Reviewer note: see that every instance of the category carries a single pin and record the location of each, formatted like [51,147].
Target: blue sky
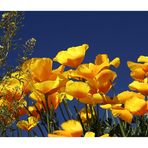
[122,34]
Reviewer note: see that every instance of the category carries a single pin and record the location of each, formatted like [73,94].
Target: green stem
[106,112]
[114,122]
[97,113]
[87,115]
[92,113]
[51,117]
[66,108]
[41,118]
[79,119]
[47,116]
[121,128]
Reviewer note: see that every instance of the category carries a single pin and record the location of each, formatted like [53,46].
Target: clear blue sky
[122,34]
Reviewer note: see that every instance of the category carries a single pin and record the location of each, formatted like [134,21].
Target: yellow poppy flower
[122,113]
[27,125]
[103,58]
[89,134]
[34,112]
[125,95]
[54,99]
[72,56]
[138,74]
[139,86]
[143,59]
[37,96]
[56,72]
[105,79]
[133,66]
[39,68]
[50,86]
[88,71]
[74,127]
[92,99]
[77,89]
[136,106]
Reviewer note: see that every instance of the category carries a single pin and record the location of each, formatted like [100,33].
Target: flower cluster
[37,91]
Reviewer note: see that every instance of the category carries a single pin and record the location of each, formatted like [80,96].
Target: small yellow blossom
[27,125]
[89,134]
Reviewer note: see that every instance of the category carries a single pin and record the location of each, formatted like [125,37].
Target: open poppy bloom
[122,113]
[139,71]
[50,86]
[38,68]
[103,81]
[139,86]
[126,95]
[102,59]
[72,56]
[136,106]
[71,128]
[77,89]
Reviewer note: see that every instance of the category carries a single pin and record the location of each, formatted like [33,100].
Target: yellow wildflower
[73,56]
[89,134]
[27,125]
